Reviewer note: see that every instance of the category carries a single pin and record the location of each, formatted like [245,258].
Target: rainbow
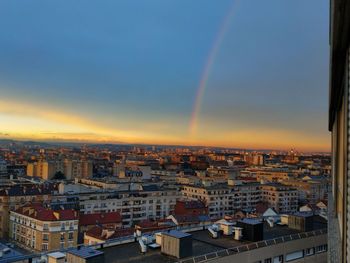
[208,66]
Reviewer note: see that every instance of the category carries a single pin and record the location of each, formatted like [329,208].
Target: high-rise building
[339,200]
[70,168]
[77,169]
[44,169]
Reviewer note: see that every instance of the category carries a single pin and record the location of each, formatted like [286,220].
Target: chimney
[57,215]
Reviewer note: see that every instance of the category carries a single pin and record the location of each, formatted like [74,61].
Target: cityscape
[57,199]
[186,131]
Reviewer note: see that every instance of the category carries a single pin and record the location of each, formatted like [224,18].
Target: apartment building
[310,191]
[273,176]
[11,198]
[223,199]
[123,170]
[282,198]
[152,202]
[36,228]
[339,217]
[254,159]
[190,207]
[223,172]
[77,169]
[70,168]
[44,169]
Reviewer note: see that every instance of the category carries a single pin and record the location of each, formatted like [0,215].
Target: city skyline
[164,74]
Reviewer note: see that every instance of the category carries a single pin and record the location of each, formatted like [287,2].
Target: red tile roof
[41,213]
[149,226]
[100,218]
[101,233]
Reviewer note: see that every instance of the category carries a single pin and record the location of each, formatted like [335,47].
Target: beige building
[70,168]
[16,196]
[223,199]
[273,176]
[150,202]
[37,229]
[45,169]
[310,191]
[282,198]
[77,169]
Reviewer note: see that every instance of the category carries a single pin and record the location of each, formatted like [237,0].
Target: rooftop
[176,234]
[85,252]
[100,218]
[9,255]
[56,255]
[203,244]
[41,213]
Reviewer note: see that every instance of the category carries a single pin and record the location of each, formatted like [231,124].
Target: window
[62,236]
[46,227]
[322,248]
[309,251]
[294,255]
[44,247]
[268,260]
[70,235]
[278,259]
[45,237]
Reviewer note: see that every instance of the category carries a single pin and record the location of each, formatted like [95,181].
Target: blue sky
[129,71]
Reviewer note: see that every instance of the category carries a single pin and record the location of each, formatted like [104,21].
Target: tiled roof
[18,190]
[100,218]
[147,225]
[38,212]
[183,219]
[101,233]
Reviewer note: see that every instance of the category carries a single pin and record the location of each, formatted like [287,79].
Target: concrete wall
[280,249]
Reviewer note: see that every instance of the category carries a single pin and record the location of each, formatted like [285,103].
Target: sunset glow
[166,75]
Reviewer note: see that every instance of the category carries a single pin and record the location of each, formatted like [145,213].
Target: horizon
[167,73]
[56,143]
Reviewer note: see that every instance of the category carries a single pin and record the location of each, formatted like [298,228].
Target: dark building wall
[339,242]
[252,232]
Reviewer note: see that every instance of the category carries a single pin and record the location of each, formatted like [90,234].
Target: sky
[245,74]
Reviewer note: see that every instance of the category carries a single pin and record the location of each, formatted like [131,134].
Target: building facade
[282,198]
[16,196]
[224,200]
[37,229]
[339,216]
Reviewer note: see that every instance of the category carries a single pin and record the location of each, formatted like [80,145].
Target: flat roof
[303,214]
[251,221]
[177,234]
[10,255]
[202,243]
[56,255]
[85,252]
